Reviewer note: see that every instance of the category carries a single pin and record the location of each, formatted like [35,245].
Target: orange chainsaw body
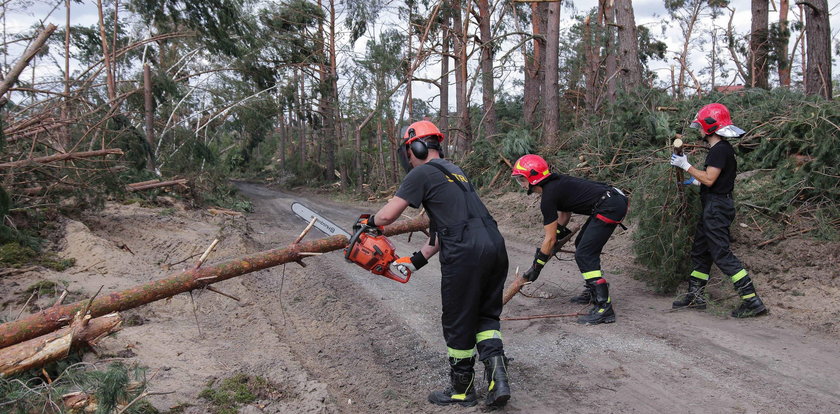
[373,251]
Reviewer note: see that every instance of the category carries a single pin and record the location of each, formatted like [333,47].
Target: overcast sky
[22,14]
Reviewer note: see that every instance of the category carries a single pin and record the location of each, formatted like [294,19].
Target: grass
[15,255]
[228,395]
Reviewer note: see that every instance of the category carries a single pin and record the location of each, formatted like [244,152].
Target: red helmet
[532,168]
[421,129]
[714,119]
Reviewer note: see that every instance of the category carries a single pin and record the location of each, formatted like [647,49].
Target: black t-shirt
[443,199]
[722,156]
[565,193]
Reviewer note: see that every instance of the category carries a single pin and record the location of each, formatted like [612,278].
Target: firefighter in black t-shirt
[711,239]
[473,263]
[562,195]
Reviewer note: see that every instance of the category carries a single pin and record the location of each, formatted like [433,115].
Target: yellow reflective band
[700,275]
[459,397]
[601,310]
[592,275]
[520,167]
[609,299]
[492,385]
[541,262]
[745,297]
[461,353]
[485,335]
[545,172]
[738,276]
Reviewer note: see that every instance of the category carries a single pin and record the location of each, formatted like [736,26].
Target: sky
[22,14]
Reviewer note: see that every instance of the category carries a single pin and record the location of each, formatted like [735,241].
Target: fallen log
[56,345]
[55,317]
[149,186]
[519,281]
[62,157]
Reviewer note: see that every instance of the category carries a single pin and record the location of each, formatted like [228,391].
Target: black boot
[751,305]
[498,389]
[694,298]
[602,311]
[462,389]
[586,296]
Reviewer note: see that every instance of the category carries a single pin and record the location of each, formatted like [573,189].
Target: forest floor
[332,338]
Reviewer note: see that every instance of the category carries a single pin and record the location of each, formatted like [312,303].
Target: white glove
[680,161]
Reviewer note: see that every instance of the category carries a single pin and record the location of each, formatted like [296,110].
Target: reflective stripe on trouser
[594,234]
[474,267]
[711,238]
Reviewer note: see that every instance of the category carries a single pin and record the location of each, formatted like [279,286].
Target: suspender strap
[450,176]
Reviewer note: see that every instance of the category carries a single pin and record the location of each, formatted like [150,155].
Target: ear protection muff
[420,149]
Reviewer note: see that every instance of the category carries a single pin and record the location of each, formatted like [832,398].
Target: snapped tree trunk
[519,282]
[56,345]
[50,319]
[818,37]
[628,46]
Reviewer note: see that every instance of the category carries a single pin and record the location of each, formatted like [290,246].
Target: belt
[607,195]
[727,195]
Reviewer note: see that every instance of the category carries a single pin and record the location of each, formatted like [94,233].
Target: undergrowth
[227,395]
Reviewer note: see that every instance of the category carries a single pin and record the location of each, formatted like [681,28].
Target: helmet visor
[402,156]
[730,131]
[695,125]
[522,181]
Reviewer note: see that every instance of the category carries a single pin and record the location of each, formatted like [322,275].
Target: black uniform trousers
[711,238]
[606,215]
[474,265]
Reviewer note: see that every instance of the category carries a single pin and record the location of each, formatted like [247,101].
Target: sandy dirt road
[377,344]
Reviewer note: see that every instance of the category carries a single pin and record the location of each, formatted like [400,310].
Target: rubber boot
[586,296]
[462,388]
[602,311]
[694,298]
[498,388]
[751,305]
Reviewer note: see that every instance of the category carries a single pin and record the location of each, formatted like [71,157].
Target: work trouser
[606,215]
[711,239]
[474,265]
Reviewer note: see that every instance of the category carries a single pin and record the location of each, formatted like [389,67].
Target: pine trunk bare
[628,46]
[488,90]
[818,38]
[551,123]
[759,44]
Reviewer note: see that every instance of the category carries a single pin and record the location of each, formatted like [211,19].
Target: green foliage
[113,388]
[14,254]
[235,391]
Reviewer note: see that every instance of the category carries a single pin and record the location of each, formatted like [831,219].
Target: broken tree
[55,317]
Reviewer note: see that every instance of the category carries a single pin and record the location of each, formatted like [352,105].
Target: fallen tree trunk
[56,345]
[62,157]
[519,281]
[52,318]
[12,76]
[149,186]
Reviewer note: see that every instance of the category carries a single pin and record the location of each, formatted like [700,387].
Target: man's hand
[412,263]
[562,233]
[539,261]
[691,181]
[366,220]
[680,161]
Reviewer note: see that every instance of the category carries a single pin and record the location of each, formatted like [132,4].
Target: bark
[759,45]
[62,157]
[591,67]
[150,120]
[519,281]
[782,47]
[464,128]
[694,14]
[488,91]
[11,78]
[443,124]
[148,186]
[54,346]
[628,46]
[818,37]
[65,108]
[608,21]
[48,320]
[109,74]
[551,93]
[534,65]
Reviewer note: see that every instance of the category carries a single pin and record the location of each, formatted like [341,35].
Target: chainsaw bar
[327,227]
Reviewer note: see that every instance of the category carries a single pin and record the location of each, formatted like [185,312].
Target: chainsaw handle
[401,270]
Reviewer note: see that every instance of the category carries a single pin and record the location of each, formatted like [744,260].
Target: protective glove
[562,232]
[691,181]
[366,220]
[412,263]
[680,161]
[539,261]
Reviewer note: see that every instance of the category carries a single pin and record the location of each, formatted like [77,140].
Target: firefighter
[711,238]
[561,195]
[473,263]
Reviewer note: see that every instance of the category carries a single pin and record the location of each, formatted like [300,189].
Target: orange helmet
[532,168]
[421,129]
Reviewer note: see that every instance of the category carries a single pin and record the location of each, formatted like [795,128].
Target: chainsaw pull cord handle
[353,240]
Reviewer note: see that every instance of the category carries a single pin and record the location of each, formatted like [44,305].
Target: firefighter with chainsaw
[473,263]
[561,195]
[711,238]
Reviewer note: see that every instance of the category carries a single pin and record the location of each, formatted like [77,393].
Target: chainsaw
[368,247]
